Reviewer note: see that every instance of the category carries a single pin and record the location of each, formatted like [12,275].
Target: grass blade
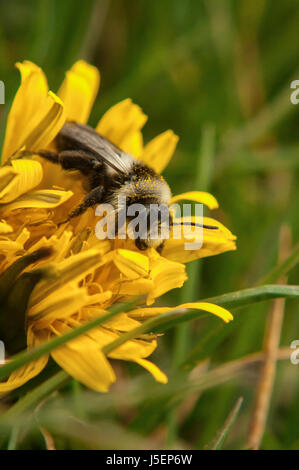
[253,295]
[230,300]
[35,396]
[28,356]
[156,324]
[222,434]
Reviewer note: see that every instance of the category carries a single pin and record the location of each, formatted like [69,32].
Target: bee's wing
[86,137]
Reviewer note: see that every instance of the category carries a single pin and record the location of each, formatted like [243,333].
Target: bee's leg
[78,160]
[92,198]
[72,159]
[51,156]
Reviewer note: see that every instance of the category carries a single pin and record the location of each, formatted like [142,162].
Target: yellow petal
[158,152]
[197,196]
[220,312]
[220,233]
[62,304]
[101,298]
[134,349]
[26,174]
[154,370]
[26,69]
[27,101]
[60,246]
[134,145]
[72,269]
[84,361]
[122,322]
[175,250]
[42,199]
[23,236]
[45,124]
[144,313]
[214,242]
[36,115]
[136,288]
[23,374]
[7,175]
[11,247]
[121,122]
[58,305]
[166,275]
[131,263]
[78,91]
[5,228]
[222,229]
[129,351]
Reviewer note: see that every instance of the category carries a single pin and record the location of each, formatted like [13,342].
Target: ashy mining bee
[111,173]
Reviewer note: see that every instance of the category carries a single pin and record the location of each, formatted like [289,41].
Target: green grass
[218,73]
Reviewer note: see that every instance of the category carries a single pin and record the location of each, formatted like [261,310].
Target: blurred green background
[218,73]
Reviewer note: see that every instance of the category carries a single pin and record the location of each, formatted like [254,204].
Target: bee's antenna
[194,224]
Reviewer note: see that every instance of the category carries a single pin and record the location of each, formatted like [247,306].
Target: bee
[111,173]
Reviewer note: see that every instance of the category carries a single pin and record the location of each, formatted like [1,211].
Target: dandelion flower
[90,275]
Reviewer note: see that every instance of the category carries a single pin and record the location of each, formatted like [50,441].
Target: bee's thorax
[142,185]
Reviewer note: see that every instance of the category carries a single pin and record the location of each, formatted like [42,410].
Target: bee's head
[144,196]
[151,227]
